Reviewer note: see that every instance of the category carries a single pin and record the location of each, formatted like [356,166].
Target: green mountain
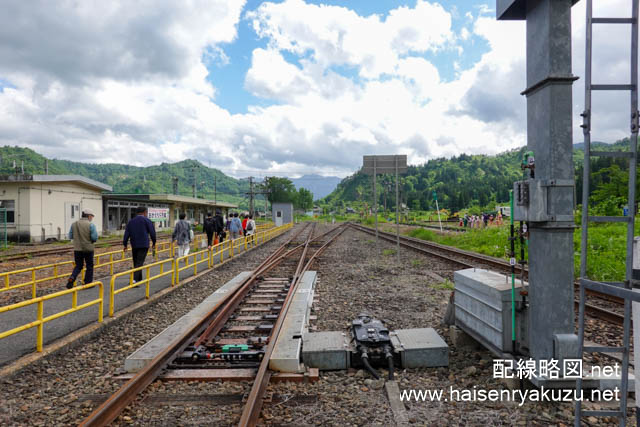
[474,180]
[134,179]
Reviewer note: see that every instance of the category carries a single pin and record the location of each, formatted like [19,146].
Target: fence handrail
[97,258]
[146,281]
[41,320]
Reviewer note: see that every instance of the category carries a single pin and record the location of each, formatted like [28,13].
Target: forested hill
[133,179]
[459,182]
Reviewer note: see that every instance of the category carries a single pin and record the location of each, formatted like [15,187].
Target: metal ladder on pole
[620,289]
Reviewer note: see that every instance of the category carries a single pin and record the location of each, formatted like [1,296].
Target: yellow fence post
[101,304]
[173,273]
[33,278]
[148,282]
[195,263]
[112,295]
[40,325]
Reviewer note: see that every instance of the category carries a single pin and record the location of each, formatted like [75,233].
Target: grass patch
[416,262]
[388,252]
[606,243]
[446,285]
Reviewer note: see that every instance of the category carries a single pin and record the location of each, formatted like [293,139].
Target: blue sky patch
[229,78]
[4,83]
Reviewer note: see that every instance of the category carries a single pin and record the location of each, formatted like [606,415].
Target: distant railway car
[504,210]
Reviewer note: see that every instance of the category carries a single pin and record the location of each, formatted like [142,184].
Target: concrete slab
[420,348]
[483,308]
[287,350]
[326,350]
[137,360]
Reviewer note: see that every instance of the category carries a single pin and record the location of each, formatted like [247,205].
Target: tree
[281,190]
[305,199]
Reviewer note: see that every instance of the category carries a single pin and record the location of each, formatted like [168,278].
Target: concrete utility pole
[215,189]
[194,181]
[549,136]
[175,185]
[252,193]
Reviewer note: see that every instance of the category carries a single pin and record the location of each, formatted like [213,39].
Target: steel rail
[253,407]
[112,407]
[216,326]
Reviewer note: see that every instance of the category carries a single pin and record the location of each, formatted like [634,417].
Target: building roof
[57,178]
[171,198]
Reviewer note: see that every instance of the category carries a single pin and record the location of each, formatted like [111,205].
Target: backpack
[249,225]
[209,225]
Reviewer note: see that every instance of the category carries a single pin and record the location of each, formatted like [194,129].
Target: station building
[41,207]
[163,209]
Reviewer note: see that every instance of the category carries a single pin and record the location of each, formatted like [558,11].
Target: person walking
[251,229]
[138,230]
[84,234]
[209,227]
[235,226]
[244,224]
[182,234]
[219,223]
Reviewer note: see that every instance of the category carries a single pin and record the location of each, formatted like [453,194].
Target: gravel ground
[404,297]
[352,278]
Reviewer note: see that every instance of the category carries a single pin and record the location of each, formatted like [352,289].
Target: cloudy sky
[280,87]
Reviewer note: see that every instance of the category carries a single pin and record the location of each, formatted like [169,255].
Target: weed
[388,252]
[446,285]
[416,262]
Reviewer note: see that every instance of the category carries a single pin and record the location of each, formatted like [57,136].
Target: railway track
[237,335]
[467,259]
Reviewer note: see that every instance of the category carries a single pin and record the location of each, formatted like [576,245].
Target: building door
[278,218]
[71,215]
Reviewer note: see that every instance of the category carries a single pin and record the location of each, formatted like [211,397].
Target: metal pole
[397,217]
[250,195]
[375,201]
[632,203]
[438,209]
[215,189]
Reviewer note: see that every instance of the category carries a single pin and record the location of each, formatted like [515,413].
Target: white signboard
[158,214]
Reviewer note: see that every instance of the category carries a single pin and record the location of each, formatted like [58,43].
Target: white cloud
[127,82]
[337,36]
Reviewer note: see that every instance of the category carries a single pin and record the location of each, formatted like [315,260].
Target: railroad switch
[372,345]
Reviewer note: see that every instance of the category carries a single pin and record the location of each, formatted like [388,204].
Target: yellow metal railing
[174,269]
[41,320]
[105,259]
[146,281]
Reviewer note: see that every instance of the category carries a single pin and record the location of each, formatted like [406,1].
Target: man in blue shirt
[139,229]
[84,235]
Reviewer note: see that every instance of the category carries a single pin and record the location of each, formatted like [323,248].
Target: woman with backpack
[251,228]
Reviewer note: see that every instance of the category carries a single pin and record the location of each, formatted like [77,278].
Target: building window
[10,206]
